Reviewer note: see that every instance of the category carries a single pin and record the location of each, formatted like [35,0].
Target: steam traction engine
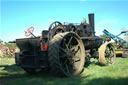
[63,49]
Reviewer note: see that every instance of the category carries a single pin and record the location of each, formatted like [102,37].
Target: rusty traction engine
[63,49]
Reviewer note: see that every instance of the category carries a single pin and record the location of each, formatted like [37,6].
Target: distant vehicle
[121,44]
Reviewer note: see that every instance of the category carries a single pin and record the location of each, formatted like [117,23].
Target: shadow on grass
[17,76]
[87,64]
[11,68]
[108,81]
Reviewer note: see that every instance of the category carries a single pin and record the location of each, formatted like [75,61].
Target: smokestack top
[91,14]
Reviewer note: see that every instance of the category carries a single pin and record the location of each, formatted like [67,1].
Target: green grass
[94,74]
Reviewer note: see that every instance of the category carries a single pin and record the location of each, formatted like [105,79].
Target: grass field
[94,74]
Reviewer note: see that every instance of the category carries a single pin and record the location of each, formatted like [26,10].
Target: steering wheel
[29,31]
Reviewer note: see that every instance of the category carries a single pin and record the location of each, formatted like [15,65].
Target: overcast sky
[18,15]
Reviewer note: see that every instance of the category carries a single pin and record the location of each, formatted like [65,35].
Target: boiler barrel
[92,42]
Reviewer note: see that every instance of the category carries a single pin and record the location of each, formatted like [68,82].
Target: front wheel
[107,54]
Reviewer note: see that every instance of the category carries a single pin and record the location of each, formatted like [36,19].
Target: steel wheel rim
[71,48]
[109,54]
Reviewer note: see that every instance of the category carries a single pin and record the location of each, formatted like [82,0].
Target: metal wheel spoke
[109,54]
[66,53]
[66,44]
[107,50]
[63,50]
[76,50]
[76,58]
[55,24]
[74,47]
[67,68]
[107,59]
[70,41]
[65,62]
[112,54]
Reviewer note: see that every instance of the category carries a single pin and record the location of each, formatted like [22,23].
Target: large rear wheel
[66,54]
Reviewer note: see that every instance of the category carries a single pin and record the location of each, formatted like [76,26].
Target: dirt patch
[6,51]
